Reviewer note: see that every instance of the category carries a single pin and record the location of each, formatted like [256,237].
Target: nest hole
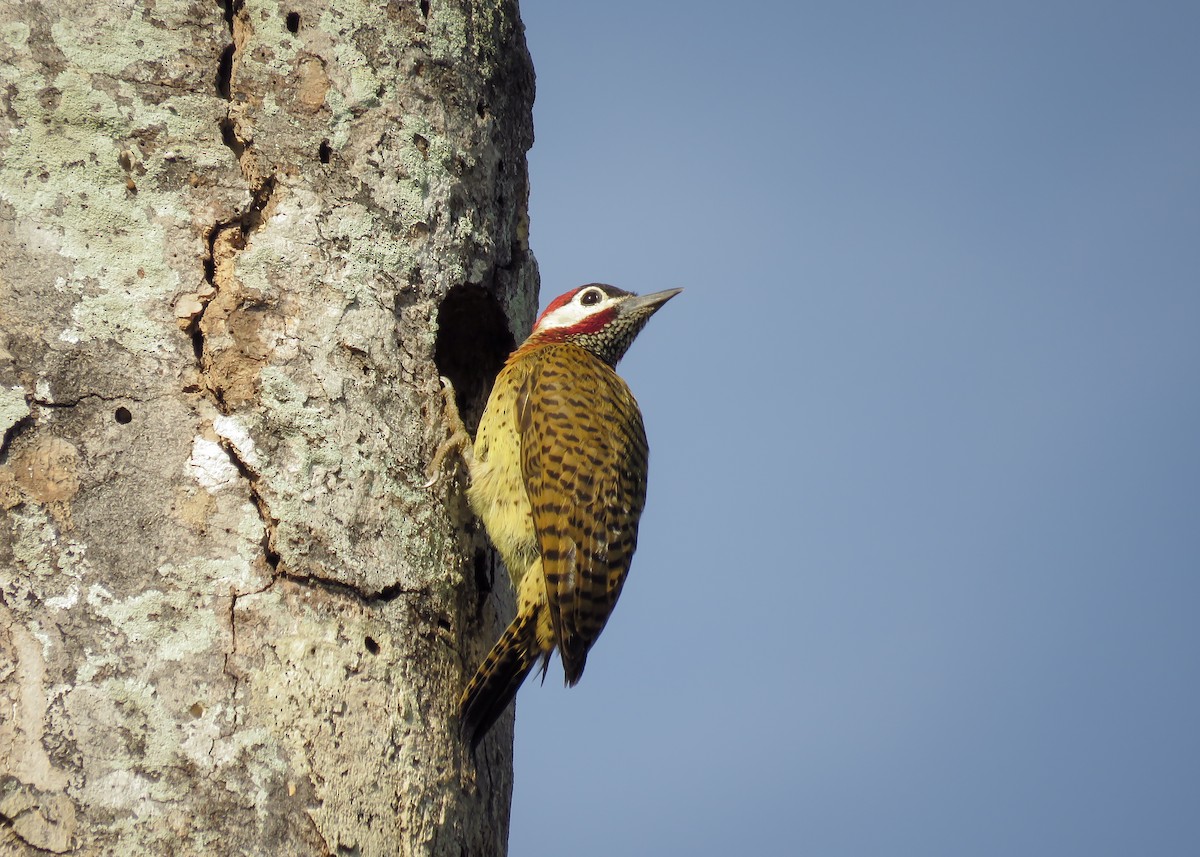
[472,343]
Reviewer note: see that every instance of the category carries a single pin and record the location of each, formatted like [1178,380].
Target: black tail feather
[498,678]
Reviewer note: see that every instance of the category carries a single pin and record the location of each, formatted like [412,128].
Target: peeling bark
[239,243]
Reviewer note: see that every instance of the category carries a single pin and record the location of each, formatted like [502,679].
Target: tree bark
[238,245]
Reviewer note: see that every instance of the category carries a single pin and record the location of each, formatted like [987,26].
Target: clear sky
[920,568]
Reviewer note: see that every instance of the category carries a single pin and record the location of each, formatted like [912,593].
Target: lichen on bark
[230,614]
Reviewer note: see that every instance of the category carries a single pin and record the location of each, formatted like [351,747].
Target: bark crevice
[269,521]
[236,617]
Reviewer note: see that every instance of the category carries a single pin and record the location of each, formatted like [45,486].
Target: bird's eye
[591,297]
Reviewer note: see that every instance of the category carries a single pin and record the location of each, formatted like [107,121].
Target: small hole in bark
[122,415]
[371,645]
[230,138]
[293,22]
[324,151]
[390,593]
[425,8]
[225,73]
[483,577]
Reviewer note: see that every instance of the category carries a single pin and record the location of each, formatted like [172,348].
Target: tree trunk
[238,245]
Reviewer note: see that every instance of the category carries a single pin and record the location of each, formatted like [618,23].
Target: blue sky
[920,568]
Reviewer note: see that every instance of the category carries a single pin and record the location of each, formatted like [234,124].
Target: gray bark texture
[238,245]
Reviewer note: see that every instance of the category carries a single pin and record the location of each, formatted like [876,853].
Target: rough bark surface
[238,245]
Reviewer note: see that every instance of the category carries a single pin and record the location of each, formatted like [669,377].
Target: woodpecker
[558,476]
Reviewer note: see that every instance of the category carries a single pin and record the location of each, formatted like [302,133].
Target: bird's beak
[639,304]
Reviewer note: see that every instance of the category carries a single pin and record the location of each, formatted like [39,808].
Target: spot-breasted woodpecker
[558,476]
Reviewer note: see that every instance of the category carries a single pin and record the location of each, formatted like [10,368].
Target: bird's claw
[459,438]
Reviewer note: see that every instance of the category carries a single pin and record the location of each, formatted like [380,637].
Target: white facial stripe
[570,314]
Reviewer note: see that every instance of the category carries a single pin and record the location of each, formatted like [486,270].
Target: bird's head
[601,319]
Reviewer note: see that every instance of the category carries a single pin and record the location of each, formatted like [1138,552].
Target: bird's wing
[583,456]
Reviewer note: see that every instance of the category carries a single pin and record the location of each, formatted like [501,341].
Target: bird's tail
[496,681]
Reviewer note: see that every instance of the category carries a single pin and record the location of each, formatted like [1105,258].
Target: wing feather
[583,456]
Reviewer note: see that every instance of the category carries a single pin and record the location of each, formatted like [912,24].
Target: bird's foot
[458,441]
